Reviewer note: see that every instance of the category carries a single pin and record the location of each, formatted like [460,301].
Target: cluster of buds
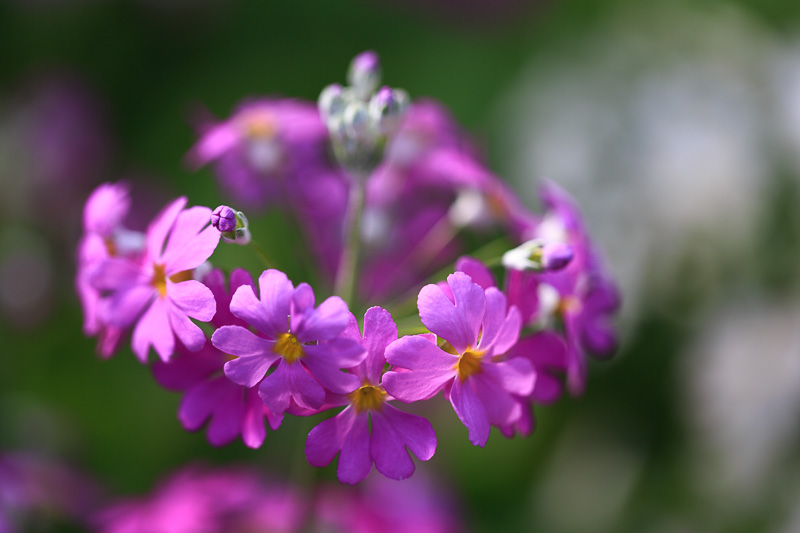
[507,324]
[360,117]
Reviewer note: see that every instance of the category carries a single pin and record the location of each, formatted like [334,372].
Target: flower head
[156,291]
[304,343]
[478,329]
[229,409]
[348,433]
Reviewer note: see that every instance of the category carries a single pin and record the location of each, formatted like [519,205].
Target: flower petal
[115,273]
[430,369]
[160,227]
[354,459]
[194,298]
[515,375]
[275,389]
[270,314]
[323,323]
[470,411]
[326,439]
[305,390]
[392,431]
[325,362]
[187,331]
[457,323]
[379,332]
[214,142]
[123,307]
[502,409]
[477,271]
[154,329]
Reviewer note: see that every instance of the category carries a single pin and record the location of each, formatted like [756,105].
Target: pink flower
[104,237]
[198,500]
[582,296]
[156,291]
[348,433]
[302,342]
[478,328]
[230,409]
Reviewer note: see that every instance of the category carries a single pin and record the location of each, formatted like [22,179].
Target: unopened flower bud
[224,219]
[331,101]
[231,224]
[556,255]
[357,122]
[387,108]
[364,74]
[538,256]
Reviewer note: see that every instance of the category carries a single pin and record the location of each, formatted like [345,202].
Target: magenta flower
[199,500]
[230,409]
[104,237]
[545,350]
[582,296]
[157,291]
[302,342]
[348,433]
[262,146]
[479,329]
[386,506]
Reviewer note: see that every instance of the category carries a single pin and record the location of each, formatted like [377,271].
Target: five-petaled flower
[478,329]
[303,343]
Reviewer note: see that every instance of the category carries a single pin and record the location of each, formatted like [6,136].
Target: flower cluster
[388,194]
[198,499]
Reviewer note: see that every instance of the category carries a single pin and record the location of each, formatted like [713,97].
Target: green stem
[262,255]
[348,263]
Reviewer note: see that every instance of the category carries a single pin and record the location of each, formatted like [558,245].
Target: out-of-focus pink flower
[383,505]
[200,500]
[156,290]
[38,490]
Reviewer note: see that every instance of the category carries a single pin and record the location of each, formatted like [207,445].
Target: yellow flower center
[111,246]
[368,397]
[288,347]
[469,364]
[568,304]
[160,278]
[259,125]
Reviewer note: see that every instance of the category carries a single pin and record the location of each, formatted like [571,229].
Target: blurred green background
[679,432]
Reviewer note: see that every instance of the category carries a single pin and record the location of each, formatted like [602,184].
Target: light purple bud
[556,255]
[384,99]
[331,101]
[224,219]
[365,62]
[364,74]
[387,107]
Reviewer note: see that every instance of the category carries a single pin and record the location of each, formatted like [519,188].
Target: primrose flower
[304,343]
[478,328]
[104,237]
[581,296]
[348,433]
[260,150]
[230,409]
[157,290]
[545,350]
[200,500]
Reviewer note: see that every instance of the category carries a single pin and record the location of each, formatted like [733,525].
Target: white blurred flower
[655,123]
[742,398]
